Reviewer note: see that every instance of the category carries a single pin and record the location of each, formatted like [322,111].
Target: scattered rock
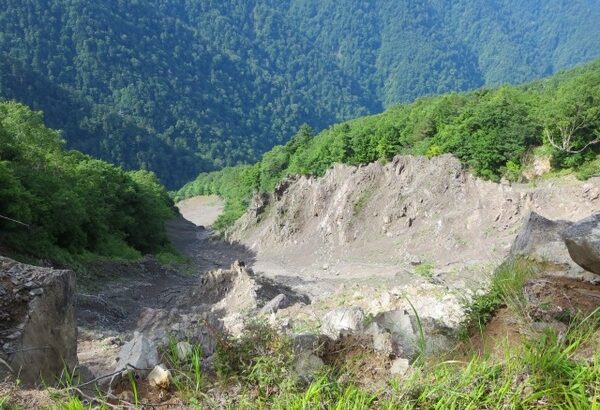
[36,292]
[306,342]
[341,321]
[307,366]
[275,304]
[395,333]
[382,340]
[160,377]
[399,367]
[582,239]
[258,204]
[184,350]
[140,353]
[126,396]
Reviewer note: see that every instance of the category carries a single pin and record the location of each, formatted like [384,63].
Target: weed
[72,404]
[425,270]
[361,202]
[421,342]
[197,367]
[505,290]
[368,319]
[134,387]
[68,378]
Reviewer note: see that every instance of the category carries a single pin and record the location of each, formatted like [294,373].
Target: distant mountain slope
[180,87]
[495,132]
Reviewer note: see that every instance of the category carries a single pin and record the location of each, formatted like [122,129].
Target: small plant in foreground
[506,289]
[425,270]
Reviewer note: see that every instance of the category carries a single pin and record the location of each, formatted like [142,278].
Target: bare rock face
[38,331]
[583,242]
[379,219]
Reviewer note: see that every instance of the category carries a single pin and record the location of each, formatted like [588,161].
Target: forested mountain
[494,132]
[180,87]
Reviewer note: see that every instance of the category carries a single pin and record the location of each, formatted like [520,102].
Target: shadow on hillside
[207,250]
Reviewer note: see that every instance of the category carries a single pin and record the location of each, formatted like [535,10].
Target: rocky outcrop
[541,238]
[38,332]
[583,242]
[572,248]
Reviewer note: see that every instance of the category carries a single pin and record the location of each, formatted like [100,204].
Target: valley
[325,267]
[299,204]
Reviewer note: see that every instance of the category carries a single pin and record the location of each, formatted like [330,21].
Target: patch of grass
[72,404]
[172,257]
[506,289]
[588,170]
[5,404]
[260,355]
[134,387]
[425,270]
[361,202]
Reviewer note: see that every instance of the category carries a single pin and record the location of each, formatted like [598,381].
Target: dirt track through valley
[109,316]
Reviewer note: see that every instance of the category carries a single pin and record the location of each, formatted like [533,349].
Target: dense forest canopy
[179,87]
[492,131]
[66,206]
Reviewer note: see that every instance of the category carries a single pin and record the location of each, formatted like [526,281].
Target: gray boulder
[342,321]
[383,342]
[582,239]
[278,302]
[540,238]
[307,365]
[399,367]
[306,342]
[38,331]
[403,338]
[139,354]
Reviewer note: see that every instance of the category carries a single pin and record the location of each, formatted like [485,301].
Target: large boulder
[540,238]
[582,239]
[38,331]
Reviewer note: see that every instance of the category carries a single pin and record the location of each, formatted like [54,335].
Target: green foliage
[361,202]
[506,289]
[513,171]
[183,87]
[489,130]
[589,169]
[425,270]
[74,206]
[572,118]
[261,357]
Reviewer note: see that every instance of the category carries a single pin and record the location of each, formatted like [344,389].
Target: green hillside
[66,206]
[180,87]
[490,130]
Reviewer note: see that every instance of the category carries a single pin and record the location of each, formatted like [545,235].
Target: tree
[572,117]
